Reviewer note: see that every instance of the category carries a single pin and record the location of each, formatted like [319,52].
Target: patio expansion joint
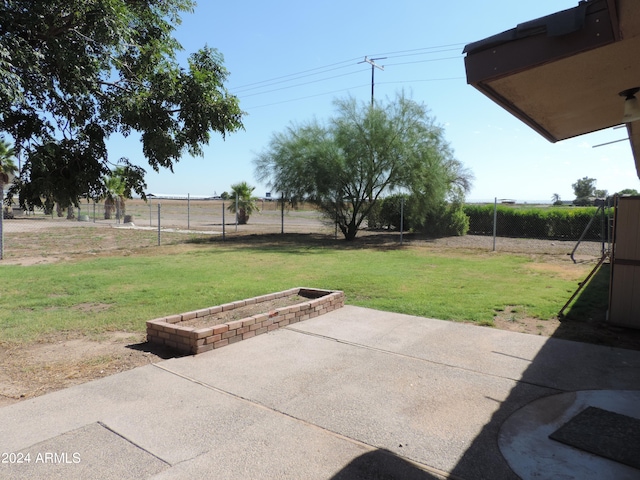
[434,362]
[107,427]
[254,403]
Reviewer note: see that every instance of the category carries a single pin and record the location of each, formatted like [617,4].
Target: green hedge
[553,222]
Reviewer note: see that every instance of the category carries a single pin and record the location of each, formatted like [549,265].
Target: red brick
[183,340]
[255,326]
[229,334]
[267,323]
[188,316]
[201,333]
[235,339]
[182,330]
[313,314]
[248,322]
[235,324]
[203,348]
[303,317]
[248,335]
[283,323]
[164,335]
[173,319]
[251,301]
[203,313]
[221,343]
[213,339]
[261,317]
[262,330]
[156,323]
[227,306]
[270,328]
[239,304]
[169,328]
[214,310]
[220,328]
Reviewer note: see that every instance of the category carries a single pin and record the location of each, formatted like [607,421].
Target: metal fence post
[223,227]
[188,211]
[158,224]
[401,218]
[495,221]
[282,215]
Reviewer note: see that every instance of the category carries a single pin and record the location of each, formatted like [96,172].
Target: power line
[342,64]
[297,77]
[285,80]
[422,61]
[301,84]
[353,88]
[350,62]
[420,49]
[309,96]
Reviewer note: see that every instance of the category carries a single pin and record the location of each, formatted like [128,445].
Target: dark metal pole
[371,62]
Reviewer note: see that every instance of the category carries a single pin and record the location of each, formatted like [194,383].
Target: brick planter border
[167,331]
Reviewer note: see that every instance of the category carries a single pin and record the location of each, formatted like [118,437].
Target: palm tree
[114,198]
[7,167]
[555,198]
[241,194]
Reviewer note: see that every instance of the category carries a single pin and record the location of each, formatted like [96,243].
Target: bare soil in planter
[244,312]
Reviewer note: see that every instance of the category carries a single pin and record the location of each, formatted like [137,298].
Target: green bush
[389,212]
[447,220]
[553,222]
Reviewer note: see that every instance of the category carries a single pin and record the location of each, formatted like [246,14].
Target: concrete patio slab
[355,393]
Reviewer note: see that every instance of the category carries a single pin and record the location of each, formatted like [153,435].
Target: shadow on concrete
[159,350]
[560,369]
[382,464]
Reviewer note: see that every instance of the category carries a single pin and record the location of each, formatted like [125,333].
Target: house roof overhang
[562,74]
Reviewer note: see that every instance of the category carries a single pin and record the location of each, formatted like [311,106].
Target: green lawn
[121,293]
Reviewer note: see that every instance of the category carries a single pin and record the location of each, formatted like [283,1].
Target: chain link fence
[96,227]
[99,228]
[588,229]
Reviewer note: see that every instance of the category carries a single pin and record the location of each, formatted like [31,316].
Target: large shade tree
[75,72]
[584,189]
[361,154]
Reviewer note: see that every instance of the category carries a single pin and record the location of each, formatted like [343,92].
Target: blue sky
[288,60]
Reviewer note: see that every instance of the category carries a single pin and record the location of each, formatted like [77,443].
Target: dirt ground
[66,359]
[30,370]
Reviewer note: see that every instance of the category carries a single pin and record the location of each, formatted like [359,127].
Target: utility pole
[374,65]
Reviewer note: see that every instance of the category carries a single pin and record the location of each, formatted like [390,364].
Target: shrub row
[441,219]
[553,223]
